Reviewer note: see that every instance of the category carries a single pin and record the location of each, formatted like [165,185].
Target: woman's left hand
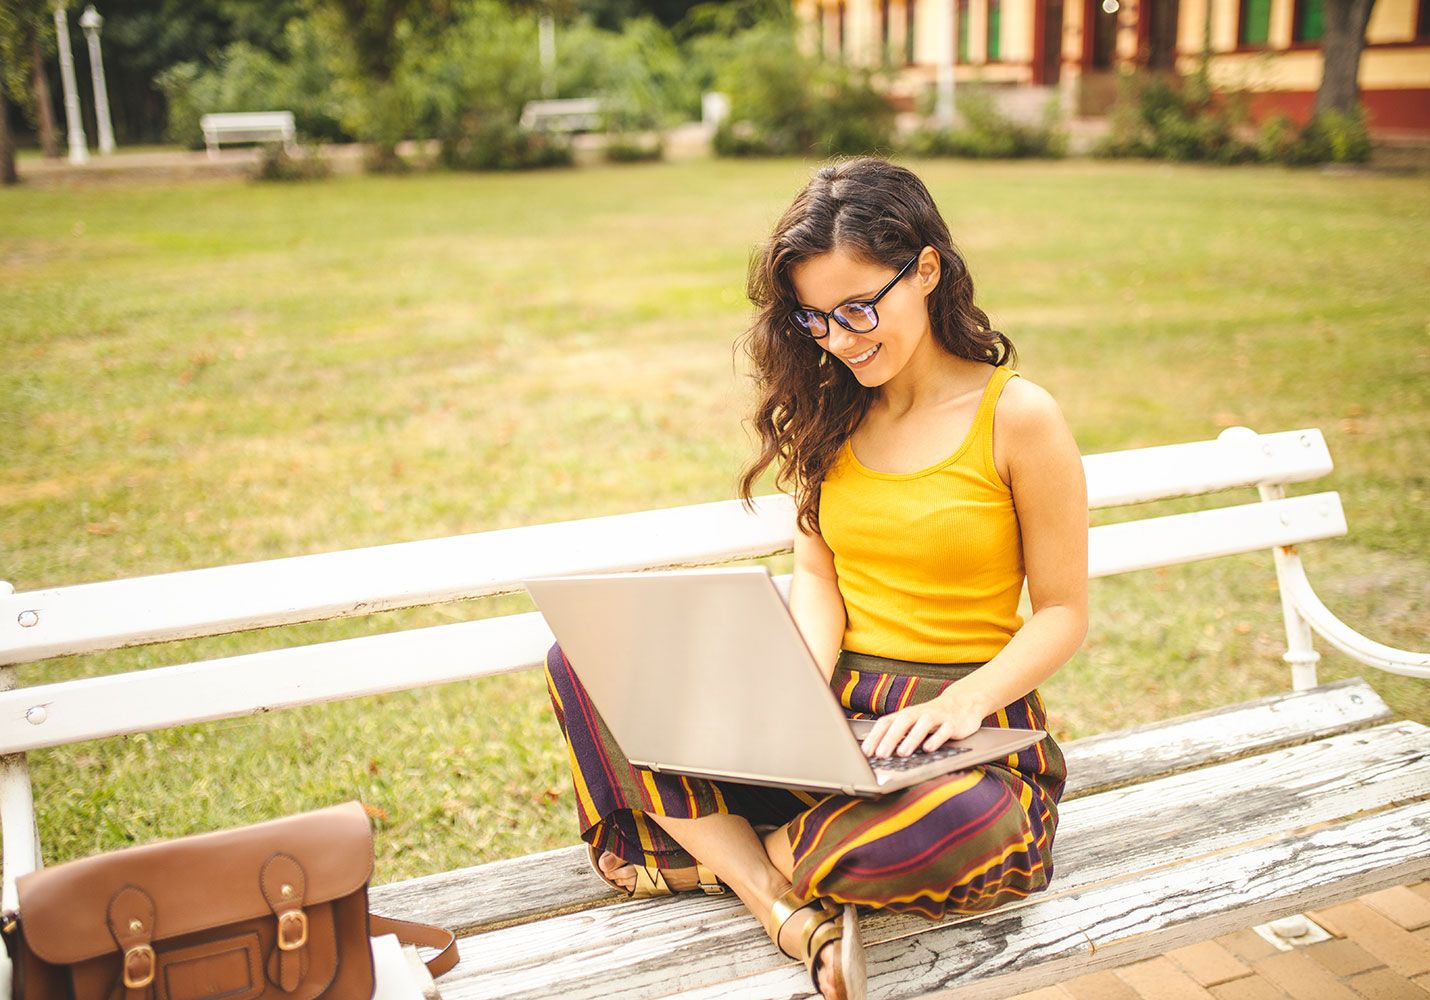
[947,717]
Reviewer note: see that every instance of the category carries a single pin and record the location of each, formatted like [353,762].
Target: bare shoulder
[1028,422]
[1027,409]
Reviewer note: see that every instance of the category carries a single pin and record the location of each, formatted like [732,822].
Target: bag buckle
[135,982]
[292,930]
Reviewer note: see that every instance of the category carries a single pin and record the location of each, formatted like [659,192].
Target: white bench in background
[574,114]
[248,126]
[1169,833]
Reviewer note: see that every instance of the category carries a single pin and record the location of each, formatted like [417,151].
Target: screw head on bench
[35,716]
[29,618]
[1285,517]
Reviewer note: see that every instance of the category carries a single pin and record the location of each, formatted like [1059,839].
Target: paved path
[1379,950]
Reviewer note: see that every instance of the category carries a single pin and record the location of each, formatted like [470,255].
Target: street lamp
[74,127]
[90,21]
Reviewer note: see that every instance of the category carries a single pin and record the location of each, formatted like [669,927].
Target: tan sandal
[651,882]
[835,923]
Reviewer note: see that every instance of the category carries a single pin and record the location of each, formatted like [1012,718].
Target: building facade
[1271,48]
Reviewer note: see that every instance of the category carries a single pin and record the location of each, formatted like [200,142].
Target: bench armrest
[1340,635]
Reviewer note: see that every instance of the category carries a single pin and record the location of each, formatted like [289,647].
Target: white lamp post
[546,43]
[74,127]
[90,21]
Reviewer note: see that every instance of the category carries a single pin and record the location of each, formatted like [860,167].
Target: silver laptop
[703,672]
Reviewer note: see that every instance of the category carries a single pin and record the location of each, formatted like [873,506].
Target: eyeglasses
[856,317]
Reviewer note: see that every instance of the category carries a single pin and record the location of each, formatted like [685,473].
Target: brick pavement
[1380,950]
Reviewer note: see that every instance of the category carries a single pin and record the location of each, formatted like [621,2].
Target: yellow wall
[1391,21]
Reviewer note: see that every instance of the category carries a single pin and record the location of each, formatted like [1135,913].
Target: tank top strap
[983,423]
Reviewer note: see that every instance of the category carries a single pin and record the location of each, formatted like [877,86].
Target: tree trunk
[1342,41]
[44,106]
[8,174]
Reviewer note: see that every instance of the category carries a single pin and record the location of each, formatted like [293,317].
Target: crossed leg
[757,868]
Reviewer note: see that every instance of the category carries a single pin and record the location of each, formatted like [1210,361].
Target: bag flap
[196,882]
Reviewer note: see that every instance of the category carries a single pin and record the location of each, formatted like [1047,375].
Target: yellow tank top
[930,563]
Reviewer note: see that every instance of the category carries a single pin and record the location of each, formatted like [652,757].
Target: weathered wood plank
[1137,753]
[1015,949]
[634,948]
[560,881]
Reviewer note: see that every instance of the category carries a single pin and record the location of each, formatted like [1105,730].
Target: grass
[220,372]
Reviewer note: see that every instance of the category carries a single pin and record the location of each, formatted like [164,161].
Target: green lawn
[222,372]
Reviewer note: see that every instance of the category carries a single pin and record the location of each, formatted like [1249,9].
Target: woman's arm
[1044,470]
[814,600]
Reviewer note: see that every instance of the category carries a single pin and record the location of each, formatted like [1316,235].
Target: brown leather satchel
[273,910]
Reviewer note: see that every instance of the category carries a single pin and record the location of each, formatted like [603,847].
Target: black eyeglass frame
[872,303]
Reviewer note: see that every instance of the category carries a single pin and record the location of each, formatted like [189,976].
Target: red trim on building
[1402,110]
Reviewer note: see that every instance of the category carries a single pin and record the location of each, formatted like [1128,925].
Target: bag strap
[411,932]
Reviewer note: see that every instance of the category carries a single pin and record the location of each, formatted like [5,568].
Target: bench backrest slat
[222,599]
[1238,457]
[1205,534]
[218,600]
[224,120]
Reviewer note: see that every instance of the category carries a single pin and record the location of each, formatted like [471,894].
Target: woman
[929,480]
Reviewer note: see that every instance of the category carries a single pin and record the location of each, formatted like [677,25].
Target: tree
[15,18]
[369,33]
[1341,46]
[44,104]
[8,173]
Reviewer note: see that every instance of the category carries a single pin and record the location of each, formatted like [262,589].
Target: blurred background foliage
[460,72]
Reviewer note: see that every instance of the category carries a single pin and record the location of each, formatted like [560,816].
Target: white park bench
[248,126]
[1169,833]
[574,114]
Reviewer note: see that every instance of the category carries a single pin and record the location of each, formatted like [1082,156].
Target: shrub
[1330,137]
[784,102]
[486,144]
[986,133]
[1175,118]
[633,147]
[276,164]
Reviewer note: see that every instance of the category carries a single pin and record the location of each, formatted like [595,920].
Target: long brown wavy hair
[808,403]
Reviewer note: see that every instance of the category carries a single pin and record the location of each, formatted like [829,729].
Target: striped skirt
[963,842]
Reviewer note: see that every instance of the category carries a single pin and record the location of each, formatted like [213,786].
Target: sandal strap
[829,916]
[786,906]
[650,882]
[709,881]
[823,933]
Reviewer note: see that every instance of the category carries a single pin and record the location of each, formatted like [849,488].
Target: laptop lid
[704,672]
[694,670]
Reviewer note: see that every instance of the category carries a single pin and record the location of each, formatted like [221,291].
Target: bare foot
[624,874]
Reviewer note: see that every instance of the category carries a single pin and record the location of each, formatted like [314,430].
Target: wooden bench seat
[1283,836]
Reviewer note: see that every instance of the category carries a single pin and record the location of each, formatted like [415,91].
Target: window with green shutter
[995,19]
[1306,26]
[963,31]
[1255,22]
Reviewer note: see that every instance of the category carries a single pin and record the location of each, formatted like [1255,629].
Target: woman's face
[836,277]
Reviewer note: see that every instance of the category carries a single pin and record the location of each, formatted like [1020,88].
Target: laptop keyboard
[916,759]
